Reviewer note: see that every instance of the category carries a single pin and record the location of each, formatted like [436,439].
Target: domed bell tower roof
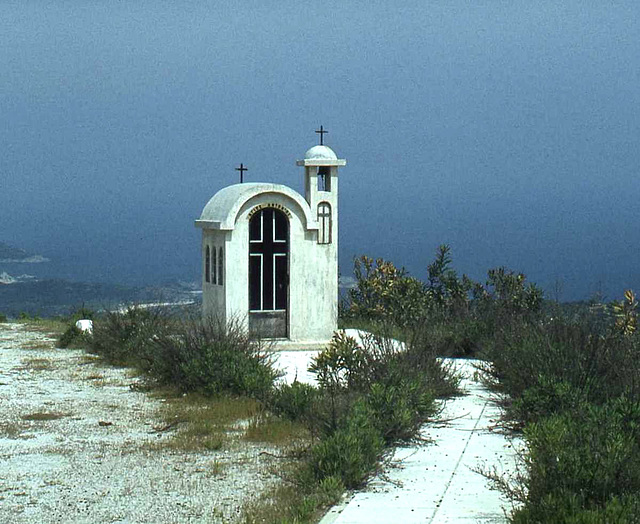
[321,156]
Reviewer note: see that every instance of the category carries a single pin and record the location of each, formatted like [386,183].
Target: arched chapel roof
[223,208]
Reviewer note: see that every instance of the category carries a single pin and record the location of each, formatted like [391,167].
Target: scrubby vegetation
[570,378]
[73,337]
[371,394]
[456,315]
[203,356]
[575,392]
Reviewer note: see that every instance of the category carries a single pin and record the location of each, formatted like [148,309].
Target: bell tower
[321,189]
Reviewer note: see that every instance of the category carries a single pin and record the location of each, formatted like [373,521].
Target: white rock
[85,325]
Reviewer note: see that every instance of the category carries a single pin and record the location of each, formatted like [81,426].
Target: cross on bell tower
[321,132]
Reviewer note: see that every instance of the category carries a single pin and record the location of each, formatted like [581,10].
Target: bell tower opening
[324,178]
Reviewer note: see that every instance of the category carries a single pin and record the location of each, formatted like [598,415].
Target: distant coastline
[6,278]
[33,259]
[51,297]
[14,255]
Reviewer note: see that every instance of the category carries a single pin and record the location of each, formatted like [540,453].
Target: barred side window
[220,267]
[324,218]
[213,266]
[207,265]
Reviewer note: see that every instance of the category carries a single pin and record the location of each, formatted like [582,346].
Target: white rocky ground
[75,470]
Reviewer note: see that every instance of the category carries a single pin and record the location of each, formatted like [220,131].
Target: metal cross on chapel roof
[321,132]
[242,169]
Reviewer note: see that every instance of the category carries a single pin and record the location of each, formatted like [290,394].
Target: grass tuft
[37,364]
[198,423]
[268,428]
[296,500]
[12,430]
[38,345]
[43,416]
[49,326]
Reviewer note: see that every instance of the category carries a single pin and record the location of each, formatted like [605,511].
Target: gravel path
[92,461]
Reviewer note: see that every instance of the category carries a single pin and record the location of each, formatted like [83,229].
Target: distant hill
[10,254]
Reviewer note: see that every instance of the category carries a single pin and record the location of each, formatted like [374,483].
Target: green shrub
[507,294]
[467,312]
[421,359]
[349,365]
[574,383]
[398,410]
[600,367]
[207,356]
[625,314]
[547,397]
[128,337]
[351,453]
[385,293]
[294,401]
[583,459]
[213,357]
[343,364]
[399,382]
[74,337]
[461,337]
[3,318]
[567,508]
[330,490]
[449,295]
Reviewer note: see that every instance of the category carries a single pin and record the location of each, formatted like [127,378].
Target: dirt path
[77,445]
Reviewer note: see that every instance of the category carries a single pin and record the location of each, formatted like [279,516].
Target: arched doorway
[269,274]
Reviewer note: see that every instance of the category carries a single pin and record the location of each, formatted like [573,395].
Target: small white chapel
[270,255]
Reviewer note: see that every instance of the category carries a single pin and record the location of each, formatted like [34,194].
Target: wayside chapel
[270,255]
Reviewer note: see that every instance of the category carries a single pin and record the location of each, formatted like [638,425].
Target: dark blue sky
[508,130]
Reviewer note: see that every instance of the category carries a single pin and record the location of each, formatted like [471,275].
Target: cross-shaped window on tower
[324,218]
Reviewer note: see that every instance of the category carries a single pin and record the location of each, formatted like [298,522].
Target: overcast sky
[509,130]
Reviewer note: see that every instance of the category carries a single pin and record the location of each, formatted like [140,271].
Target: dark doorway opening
[269,274]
